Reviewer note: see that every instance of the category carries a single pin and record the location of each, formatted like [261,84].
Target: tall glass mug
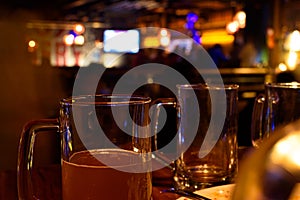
[278,106]
[208,122]
[105,148]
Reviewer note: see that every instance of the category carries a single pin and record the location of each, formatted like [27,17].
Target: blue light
[72,32]
[191,19]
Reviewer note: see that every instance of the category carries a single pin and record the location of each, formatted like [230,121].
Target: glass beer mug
[276,107]
[105,148]
[204,150]
[207,141]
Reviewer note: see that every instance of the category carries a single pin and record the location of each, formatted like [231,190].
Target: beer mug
[206,142]
[105,148]
[277,106]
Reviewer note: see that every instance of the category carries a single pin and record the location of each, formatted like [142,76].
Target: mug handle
[257,134]
[25,154]
[160,103]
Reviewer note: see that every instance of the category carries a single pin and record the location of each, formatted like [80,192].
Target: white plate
[224,192]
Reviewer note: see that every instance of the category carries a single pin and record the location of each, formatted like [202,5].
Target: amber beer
[86,176]
[105,148]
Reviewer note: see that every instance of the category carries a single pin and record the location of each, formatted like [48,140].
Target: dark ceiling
[94,10]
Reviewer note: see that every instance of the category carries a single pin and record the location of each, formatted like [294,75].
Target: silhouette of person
[217,54]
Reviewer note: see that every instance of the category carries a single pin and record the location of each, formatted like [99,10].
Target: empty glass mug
[207,135]
[277,106]
[105,148]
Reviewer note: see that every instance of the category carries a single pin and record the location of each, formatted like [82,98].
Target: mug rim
[291,85]
[232,86]
[106,99]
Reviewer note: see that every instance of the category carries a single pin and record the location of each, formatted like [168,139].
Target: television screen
[121,41]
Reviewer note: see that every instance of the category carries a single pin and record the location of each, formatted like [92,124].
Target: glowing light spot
[282,67]
[31,43]
[79,40]
[232,27]
[150,80]
[69,39]
[135,149]
[221,192]
[295,158]
[292,60]
[192,17]
[283,147]
[163,32]
[286,151]
[240,17]
[295,41]
[165,41]
[79,29]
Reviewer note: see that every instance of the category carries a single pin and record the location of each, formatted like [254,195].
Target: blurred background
[45,43]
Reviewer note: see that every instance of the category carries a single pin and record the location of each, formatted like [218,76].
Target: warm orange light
[98,44]
[240,17]
[79,29]
[232,27]
[79,40]
[69,39]
[292,42]
[282,67]
[151,42]
[291,60]
[270,38]
[295,41]
[32,43]
[217,36]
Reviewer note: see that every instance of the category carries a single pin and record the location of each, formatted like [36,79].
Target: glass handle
[25,154]
[159,105]
[257,121]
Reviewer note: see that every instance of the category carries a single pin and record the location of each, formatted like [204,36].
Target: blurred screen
[121,41]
